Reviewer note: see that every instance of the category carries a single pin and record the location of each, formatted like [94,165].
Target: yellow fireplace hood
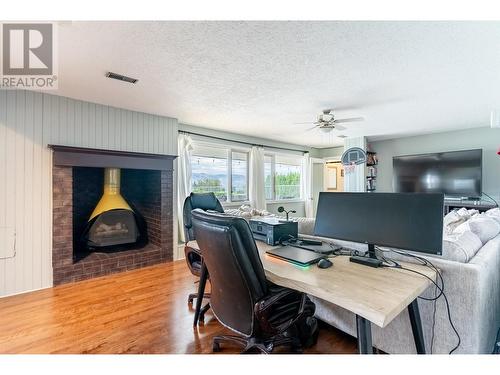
[111,198]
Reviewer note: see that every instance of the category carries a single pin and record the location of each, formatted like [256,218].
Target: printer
[271,229]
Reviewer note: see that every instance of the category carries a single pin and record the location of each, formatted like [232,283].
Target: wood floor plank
[139,311]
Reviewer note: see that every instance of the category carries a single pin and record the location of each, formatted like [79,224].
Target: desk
[374,295]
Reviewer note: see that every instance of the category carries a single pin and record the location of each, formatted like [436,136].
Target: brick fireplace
[146,184]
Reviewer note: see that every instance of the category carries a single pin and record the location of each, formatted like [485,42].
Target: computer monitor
[410,221]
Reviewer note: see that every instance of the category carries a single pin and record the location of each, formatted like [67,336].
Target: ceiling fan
[327,122]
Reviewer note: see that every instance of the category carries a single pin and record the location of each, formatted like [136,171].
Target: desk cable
[390,263]
[491,198]
[430,265]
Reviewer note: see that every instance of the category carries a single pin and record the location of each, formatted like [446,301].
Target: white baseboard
[179,252]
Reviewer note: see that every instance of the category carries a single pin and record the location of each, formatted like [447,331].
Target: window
[282,177]
[239,176]
[209,172]
[220,170]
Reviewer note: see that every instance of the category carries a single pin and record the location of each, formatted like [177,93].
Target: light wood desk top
[376,294]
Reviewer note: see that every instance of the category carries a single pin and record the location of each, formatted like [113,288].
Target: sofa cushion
[461,247]
[456,217]
[494,213]
[482,225]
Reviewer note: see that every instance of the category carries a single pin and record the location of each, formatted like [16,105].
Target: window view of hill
[210,174]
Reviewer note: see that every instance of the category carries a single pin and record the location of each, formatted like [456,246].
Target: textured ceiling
[258,78]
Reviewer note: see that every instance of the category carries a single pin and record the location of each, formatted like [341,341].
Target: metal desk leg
[364,335]
[416,326]
[201,292]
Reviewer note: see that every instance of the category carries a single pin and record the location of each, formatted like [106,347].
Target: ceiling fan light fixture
[326,129]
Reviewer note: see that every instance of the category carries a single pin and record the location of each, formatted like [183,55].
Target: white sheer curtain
[256,190]
[185,146]
[306,185]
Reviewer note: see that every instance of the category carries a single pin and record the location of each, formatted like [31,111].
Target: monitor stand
[370,260]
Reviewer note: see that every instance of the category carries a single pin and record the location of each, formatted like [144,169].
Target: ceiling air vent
[120,77]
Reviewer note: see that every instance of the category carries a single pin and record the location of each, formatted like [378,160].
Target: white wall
[318,183]
[330,153]
[30,121]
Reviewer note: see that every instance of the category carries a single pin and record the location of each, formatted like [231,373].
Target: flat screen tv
[456,174]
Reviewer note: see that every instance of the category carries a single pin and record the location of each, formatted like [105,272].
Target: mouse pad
[296,255]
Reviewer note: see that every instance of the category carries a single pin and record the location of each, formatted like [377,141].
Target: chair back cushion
[236,273]
[205,201]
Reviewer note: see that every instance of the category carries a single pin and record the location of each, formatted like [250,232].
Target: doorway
[326,176]
[334,176]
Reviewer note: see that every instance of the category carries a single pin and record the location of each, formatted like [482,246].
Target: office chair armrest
[281,310]
[194,259]
[188,249]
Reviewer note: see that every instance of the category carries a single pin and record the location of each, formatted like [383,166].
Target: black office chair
[204,201]
[265,315]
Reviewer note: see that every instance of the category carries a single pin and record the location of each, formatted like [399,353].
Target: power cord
[489,196]
[429,264]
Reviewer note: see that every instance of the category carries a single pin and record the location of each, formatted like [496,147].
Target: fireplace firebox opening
[113,222]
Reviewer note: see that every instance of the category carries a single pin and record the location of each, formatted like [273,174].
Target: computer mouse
[325,263]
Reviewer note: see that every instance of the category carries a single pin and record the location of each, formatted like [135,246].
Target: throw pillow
[452,220]
[463,212]
[256,212]
[461,247]
[483,226]
[246,208]
[238,213]
[473,213]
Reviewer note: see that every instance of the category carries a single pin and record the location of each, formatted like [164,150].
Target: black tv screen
[456,174]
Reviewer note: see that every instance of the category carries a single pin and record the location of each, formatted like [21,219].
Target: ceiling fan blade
[352,119]
[314,127]
[303,123]
[340,127]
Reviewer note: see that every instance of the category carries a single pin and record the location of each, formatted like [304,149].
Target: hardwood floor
[140,311]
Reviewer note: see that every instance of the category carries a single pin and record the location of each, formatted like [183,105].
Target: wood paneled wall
[29,121]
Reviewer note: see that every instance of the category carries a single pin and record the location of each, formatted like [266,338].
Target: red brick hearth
[76,191]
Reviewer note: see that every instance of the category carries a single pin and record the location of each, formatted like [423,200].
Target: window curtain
[256,190]
[185,147]
[306,185]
